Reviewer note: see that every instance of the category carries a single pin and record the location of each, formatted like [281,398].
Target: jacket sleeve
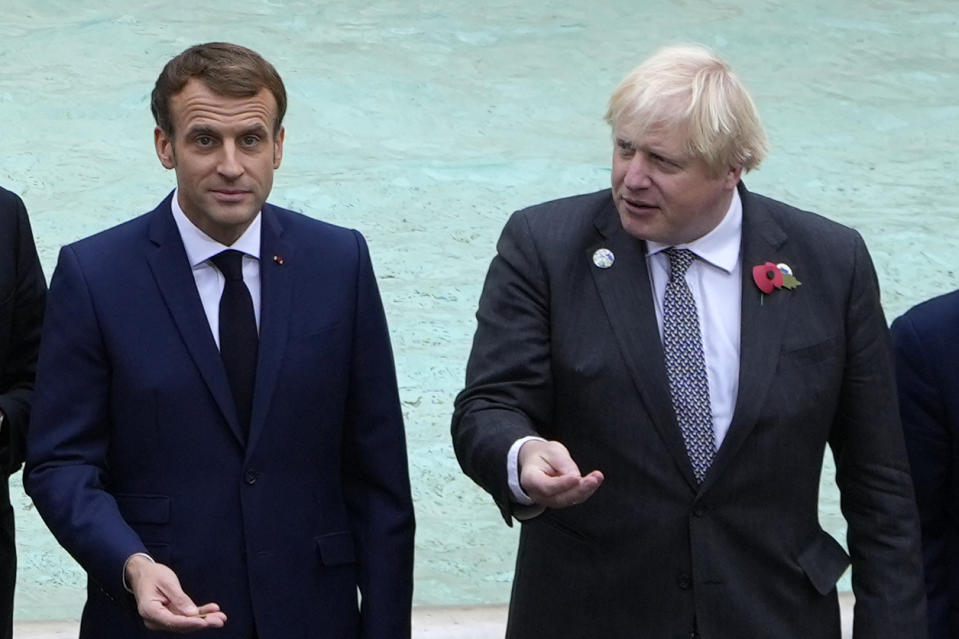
[67,472]
[508,392]
[872,472]
[375,470]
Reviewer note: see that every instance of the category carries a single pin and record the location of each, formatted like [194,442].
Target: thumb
[179,602]
[559,459]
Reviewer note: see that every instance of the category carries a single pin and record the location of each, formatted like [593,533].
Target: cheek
[617,174]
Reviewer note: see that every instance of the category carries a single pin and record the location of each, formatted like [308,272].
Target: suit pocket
[797,357]
[149,516]
[336,549]
[302,333]
[550,521]
[144,509]
[823,561]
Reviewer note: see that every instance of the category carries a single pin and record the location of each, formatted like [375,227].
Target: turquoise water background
[424,124]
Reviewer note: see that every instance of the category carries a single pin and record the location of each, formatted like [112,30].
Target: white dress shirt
[715,280]
[200,247]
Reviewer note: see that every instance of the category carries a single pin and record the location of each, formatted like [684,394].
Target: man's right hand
[548,474]
[162,603]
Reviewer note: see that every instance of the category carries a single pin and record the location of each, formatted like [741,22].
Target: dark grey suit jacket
[572,352]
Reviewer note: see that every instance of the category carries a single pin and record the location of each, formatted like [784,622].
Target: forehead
[197,105]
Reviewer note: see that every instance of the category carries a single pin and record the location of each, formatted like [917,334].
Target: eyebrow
[257,129]
[195,131]
[202,129]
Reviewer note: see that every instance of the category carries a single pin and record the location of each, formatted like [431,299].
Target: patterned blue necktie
[686,365]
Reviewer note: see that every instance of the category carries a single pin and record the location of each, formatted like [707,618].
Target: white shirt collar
[200,247]
[719,247]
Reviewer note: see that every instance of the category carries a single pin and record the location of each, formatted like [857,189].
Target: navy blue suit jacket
[926,341]
[135,444]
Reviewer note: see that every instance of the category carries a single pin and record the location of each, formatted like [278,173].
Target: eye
[624,148]
[250,140]
[665,163]
[203,140]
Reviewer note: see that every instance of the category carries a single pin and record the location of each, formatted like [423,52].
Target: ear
[278,148]
[733,176]
[164,148]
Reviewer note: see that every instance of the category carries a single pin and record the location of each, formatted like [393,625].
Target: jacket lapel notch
[278,268]
[174,278]
[764,318]
[627,298]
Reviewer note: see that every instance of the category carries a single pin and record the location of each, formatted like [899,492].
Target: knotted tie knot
[230,263]
[679,261]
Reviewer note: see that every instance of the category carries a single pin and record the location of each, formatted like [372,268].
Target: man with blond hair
[693,347]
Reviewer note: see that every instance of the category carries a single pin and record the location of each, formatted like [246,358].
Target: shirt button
[251,476]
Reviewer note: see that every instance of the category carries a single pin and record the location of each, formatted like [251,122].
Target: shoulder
[575,209]
[795,221]
[9,200]
[311,235]
[124,236]
[299,223]
[12,210]
[941,313]
[825,252]
[563,222]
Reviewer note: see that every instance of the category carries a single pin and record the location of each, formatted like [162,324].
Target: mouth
[229,195]
[638,206]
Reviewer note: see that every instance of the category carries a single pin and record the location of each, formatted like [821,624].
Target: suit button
[700,511]
[251,476]
[684,582]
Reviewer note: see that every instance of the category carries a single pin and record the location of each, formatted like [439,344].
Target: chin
[636,228]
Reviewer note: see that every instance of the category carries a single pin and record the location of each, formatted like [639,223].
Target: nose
[229,165]
[637,175]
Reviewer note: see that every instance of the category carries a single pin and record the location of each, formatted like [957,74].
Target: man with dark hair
[225,69]
[22,294]
[218,429]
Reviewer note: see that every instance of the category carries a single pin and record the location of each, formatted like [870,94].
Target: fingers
[551,478]
[163,605]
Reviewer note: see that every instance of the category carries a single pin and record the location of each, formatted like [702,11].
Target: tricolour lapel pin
[603,258]
[278,259]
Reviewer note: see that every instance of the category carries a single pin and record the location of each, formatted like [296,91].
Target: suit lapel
[174,278]
[278,267]
[625,291]
[763,320]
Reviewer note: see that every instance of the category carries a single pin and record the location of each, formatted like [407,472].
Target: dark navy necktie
[686,364]
[239,341]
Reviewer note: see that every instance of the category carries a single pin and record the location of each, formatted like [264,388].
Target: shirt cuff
[512,471]
[136,554]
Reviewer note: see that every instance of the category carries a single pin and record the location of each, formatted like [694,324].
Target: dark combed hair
[226,69]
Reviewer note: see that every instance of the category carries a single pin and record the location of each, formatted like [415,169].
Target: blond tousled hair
[690,87]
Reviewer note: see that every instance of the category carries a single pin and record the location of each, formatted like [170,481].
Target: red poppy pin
[768,277]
